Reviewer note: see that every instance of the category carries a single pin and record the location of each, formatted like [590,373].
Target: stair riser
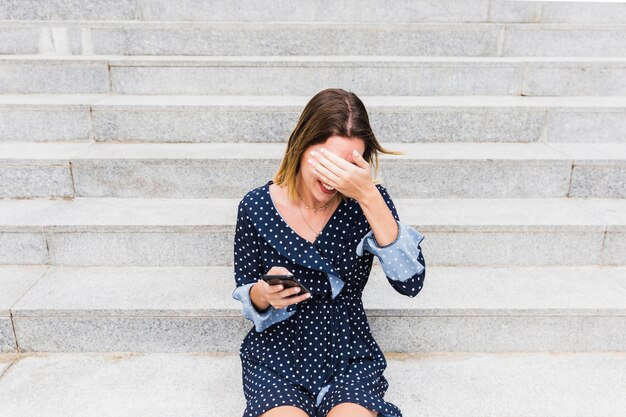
[307,78]
[394,334]
[363,11]
[212,246]
[7,337]
[231,178]
[321,39]
[261,124]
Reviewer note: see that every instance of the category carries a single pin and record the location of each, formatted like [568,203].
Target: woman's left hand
[354,181]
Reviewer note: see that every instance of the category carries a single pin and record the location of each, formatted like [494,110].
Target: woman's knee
[285,411]
[351,410]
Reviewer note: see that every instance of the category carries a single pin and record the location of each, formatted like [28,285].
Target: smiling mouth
[326,186]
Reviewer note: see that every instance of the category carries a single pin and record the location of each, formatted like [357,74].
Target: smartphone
[287,281]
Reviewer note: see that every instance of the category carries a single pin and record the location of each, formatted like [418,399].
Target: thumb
[360,161]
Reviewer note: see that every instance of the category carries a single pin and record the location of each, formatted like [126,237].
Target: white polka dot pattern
[320,352]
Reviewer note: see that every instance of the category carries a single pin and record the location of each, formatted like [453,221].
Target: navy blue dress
[319,352]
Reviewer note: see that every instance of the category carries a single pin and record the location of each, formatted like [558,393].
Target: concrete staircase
[130,129]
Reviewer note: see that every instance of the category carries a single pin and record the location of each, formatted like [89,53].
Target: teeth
[328,187]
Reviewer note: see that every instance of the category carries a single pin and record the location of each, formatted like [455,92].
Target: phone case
[287,281]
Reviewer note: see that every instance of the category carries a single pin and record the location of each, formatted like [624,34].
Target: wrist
[370,196]
[257,297]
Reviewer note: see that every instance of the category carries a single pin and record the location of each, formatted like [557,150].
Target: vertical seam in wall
[109,78]
[547,117]
[571,176]
[524,78]
[501,36]
[601,260]
[142,10]
[571,167]
[17,343]
[92,132]
[72,179]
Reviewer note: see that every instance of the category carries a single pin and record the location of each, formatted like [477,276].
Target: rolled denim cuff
[261,320]
[399,259]
[323,391]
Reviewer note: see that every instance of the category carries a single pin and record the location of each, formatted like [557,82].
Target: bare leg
[285,411]
[351,410]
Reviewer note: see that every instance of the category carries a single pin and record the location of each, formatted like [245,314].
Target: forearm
[382,222]
[257,300]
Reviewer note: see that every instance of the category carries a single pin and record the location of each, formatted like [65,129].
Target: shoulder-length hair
[331,112]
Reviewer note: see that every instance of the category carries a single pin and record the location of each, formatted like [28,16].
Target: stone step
[140,118]
[157,309]
[198,170]
[199,232]
[321,11]
[543,384]
[306,75]
[307,38]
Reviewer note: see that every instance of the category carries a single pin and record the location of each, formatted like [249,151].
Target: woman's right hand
[278,296]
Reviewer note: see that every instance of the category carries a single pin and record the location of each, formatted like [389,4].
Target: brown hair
[331,112]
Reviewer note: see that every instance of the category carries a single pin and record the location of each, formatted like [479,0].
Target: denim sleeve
[402,260]
[261,320]
[248,269]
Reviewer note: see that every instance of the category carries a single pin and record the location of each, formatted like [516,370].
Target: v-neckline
[323,232]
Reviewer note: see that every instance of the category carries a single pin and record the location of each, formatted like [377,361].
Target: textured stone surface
[69,9]
[39,75]
[405,119]
[590,127]
[611,212]
[380,76]
[576,79]
[265,10]
[228,170]
[21,247]
[198,232]
[599,170]
[296,39]
[288,10]
[206,246]
[564,40]
[437,385]
[557,11]
[39,121]
[310,38]
[123,384]
[7,338]
[14,283]
[191,309]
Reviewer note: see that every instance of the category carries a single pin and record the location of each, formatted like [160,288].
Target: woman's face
[310,187]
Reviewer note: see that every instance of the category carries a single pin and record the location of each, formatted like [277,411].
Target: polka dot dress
[320,352]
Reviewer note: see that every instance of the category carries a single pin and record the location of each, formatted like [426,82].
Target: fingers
[360,161]
[274,288]
[329,167]
[325,179]
[327,173]
[278,270]
[325,155]
[280,298]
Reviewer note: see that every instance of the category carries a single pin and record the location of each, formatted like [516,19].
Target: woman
[322,218]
